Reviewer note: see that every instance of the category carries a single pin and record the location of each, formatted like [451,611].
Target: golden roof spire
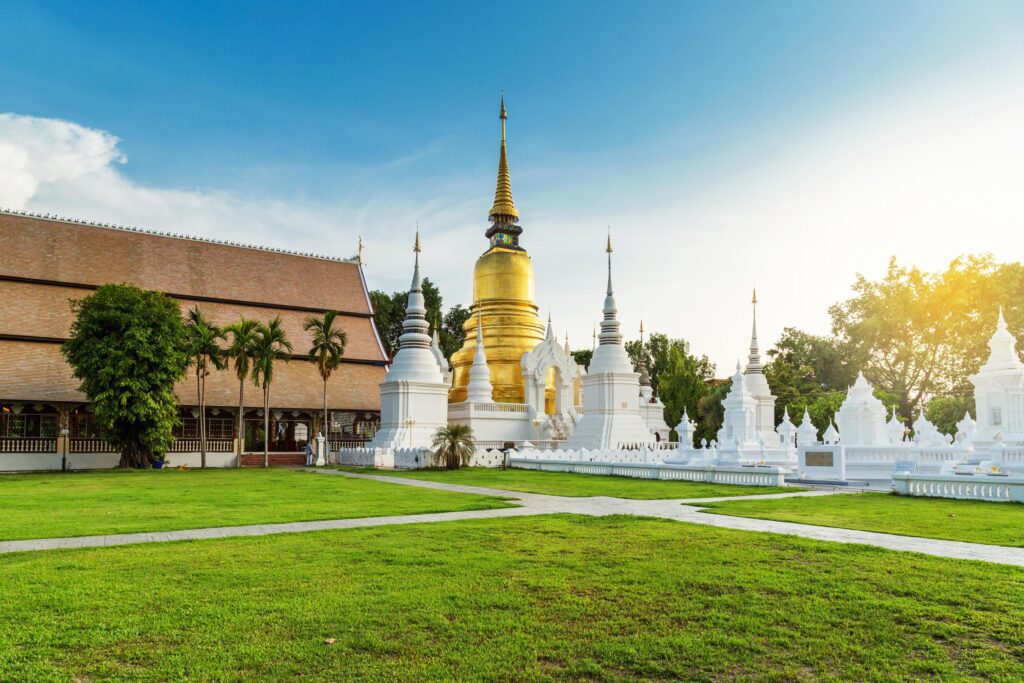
[503,206]
[416,247]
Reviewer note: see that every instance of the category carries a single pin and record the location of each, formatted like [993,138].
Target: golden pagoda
[502,298]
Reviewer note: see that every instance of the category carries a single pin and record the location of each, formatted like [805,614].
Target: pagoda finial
[503,209]
[359,251]
[754,360]
[608,250]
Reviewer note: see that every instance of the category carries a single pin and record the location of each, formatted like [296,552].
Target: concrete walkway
[683,510]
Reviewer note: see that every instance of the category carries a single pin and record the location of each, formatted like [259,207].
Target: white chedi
[611,389]
[966,430]
[786,430]
[414,393]
[831,435]
[806,433]
[480,389]
[757,385]
[685,431]
[861,417]
[739,424]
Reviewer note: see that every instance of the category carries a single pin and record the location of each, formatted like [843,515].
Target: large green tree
[920,334]
[128,348]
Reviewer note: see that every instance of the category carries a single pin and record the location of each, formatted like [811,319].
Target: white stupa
[739,430]
[757,384]
[611,389]
[414,393]
[479,389]
[999,390]
[861,417]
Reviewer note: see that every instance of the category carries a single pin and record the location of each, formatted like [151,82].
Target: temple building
[49,262]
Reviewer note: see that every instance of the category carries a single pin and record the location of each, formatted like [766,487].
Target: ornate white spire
[754,360]
[480,389]
[1003,349]
[610,354]
[610,325]
[415,328]
[566,348]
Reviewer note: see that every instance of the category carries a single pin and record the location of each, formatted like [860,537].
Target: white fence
[410,458]
[989,487]
[717,474]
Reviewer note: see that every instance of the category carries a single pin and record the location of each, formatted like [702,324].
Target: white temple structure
[414,393]
[611,389]
[739,430]
[999,390]
[861,417]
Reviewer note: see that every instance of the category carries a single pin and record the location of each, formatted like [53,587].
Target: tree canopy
[128,347]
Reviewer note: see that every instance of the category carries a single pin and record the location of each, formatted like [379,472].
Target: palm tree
[205,351]
[327,350]
[271,345]
[454,445]
[243,339]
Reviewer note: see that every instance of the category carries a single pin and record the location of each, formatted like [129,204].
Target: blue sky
[731,142]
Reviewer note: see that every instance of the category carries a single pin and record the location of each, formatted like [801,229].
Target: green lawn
[569,484]
[956,520]
[82,504]
[513,599]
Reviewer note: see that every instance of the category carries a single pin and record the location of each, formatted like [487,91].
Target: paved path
[683,510]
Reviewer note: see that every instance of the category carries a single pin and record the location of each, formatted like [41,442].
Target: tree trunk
[325,427]
[202,420]
[199,401]
[241,424]
[266,424]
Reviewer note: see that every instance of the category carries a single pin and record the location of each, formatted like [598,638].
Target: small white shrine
[861,417]
[999,390]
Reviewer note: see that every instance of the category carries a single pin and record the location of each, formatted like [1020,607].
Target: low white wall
[745,476]
[195,460]
[964,486]
[47,462]
[409,458]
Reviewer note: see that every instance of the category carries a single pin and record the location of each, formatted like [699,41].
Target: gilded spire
[504,209]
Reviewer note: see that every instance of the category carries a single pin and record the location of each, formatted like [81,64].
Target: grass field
[569,484]
[81,504]
[513,599]
[956,520]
